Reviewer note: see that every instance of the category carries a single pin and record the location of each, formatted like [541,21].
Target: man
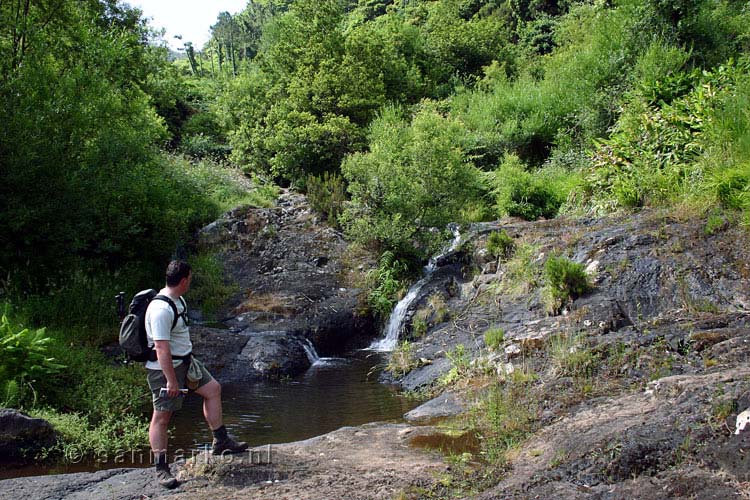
[169,371]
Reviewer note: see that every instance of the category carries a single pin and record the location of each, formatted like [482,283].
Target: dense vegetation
[459,110]
[398,117]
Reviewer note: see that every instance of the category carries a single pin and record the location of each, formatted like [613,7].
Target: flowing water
[396,319]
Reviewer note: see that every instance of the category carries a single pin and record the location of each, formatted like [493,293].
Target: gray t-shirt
[159,317]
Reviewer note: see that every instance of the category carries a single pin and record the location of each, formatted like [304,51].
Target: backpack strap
[171,303]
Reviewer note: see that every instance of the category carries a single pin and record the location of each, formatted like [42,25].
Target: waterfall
[312,355]
[315,359]
[392,329]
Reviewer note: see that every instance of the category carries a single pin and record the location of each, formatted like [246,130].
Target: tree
[79,178]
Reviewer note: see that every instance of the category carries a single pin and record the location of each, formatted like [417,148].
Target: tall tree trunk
[234,61]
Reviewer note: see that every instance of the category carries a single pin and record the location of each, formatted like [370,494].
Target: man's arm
[164,356]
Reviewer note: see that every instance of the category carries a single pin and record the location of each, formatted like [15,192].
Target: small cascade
[315,359]
[392,329]
[312,355]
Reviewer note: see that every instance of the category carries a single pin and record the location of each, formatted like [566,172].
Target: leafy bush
[414,177]
[386,282]
[460,365]
[500,244]
[692,148]
[504,418]
[460,359]
[201,146]
[94,405]
[522,271]
[92,384]
[24,359]
[521,193]
[419,324]
[79,440]
[438,308]
[493,338]
[326,194]
[564,281]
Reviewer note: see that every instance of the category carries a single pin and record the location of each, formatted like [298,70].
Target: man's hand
[172,390]
[164,356]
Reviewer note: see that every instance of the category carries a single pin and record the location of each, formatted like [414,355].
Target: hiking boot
[166,479]
[227,445]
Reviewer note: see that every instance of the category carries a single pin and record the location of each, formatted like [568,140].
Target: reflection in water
[335,392]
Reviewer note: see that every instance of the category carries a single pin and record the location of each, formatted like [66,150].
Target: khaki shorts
[157,380]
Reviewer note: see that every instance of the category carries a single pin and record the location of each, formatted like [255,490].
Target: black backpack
[133,339]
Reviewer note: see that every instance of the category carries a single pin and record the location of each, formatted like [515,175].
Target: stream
[333,393]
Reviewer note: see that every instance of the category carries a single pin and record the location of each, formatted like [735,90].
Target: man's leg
[158,437]
[157,431]
[211,393]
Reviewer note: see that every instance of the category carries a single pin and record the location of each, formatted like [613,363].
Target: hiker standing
[172,370]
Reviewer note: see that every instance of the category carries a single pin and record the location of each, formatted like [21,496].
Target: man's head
[177,272]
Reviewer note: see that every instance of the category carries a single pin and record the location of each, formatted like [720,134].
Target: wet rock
[271,354]
[291,275]
[21,436]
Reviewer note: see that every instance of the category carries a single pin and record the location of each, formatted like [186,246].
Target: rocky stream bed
[666,327]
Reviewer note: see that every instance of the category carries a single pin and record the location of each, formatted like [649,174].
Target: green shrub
[522,271]
[521,193]
[209,288]
[504,418]
[386,282]
[92,384]
[438,307]
[79,440]
[693,148]
[714,223]
[460,358]
[326,194]
[418,326]
[25,358]
[571,358]
[500,244]
[201,146]
[564,281]
[98,404]
[402,359]
[493,338]
[414,177]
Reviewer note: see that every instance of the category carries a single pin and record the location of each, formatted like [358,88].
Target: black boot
[163,474]
[224,444]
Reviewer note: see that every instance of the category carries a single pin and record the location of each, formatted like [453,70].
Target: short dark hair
[177,270]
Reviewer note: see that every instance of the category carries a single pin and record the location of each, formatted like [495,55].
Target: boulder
[269,354]
[21,435]
[446,405]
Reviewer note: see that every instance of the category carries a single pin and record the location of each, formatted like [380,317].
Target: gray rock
[21,435]
[270,354]
[290,273]
[446,405]
[425,375]
[733,458]
[115,484]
